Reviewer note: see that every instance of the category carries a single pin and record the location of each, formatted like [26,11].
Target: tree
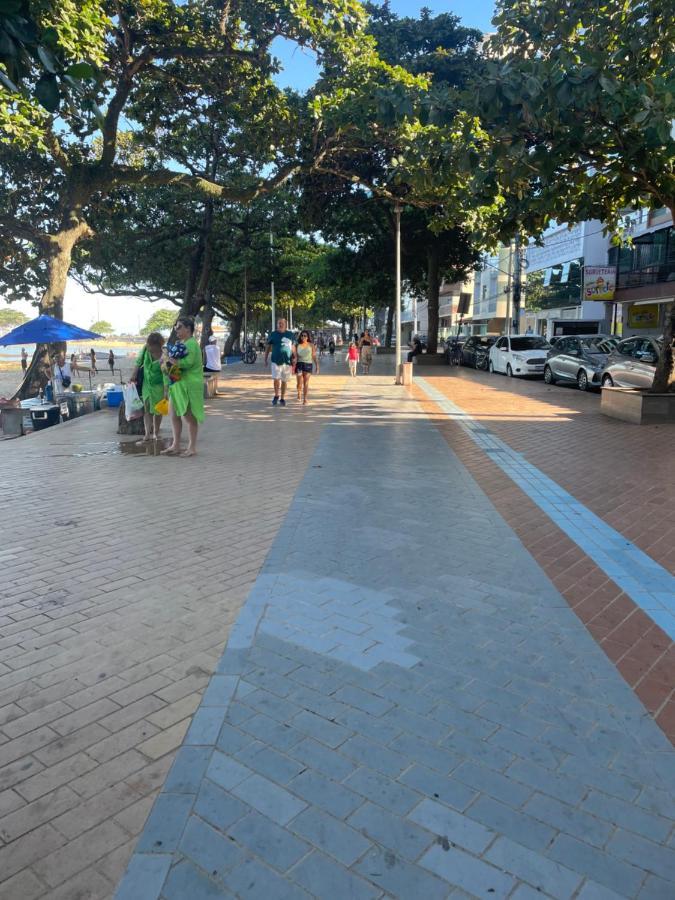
[160,320]
[102,327]
[56,168]
[11,318]
[580,102]
[412,142]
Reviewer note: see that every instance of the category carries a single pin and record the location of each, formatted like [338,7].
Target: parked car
[577,358]
[519,354]
[475,350]
[632,363]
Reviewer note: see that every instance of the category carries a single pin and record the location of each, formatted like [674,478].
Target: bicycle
[249,355]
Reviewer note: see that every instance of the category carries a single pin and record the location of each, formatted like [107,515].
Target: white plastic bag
[133,405]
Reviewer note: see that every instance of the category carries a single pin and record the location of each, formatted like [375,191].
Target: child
[353,357]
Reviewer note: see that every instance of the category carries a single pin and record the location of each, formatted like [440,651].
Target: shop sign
[599,282]
[644,316]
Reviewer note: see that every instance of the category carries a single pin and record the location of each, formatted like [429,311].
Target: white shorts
[282,372]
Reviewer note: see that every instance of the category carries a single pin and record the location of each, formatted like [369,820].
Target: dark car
[632,364]
[453,344]
[476,349]
[578,359]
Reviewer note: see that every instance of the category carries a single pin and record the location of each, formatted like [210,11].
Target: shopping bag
[133,405]
[162,408]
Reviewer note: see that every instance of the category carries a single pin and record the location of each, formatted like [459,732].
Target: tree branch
[124,175]
[14,228]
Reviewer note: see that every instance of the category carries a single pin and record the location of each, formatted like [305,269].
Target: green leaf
[47,92]
[7,84]
[10,7]
[81,70]
[47,59]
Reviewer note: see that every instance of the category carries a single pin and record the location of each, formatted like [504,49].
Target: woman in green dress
[152,390]
[186,388]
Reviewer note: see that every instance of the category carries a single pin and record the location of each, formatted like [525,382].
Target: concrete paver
[399,642]
[121,576]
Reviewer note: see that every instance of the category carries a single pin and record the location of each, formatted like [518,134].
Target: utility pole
[508,291]
[397,214]
[517,285]
[274,324]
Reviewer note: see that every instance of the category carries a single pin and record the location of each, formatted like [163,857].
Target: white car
[519,354]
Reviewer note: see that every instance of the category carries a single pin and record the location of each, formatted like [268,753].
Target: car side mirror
[648,358]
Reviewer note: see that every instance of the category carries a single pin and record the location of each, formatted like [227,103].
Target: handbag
[140,375]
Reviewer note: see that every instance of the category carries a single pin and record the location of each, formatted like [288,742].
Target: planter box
[638,407]
[431,359]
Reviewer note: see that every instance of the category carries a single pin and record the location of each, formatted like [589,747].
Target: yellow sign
[599,282]
[646,316]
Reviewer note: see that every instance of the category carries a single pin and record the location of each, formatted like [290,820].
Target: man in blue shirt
[281,343]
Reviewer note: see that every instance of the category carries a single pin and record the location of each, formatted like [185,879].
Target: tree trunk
[207,321]
[59,256]
[433,291]
[343,330]
[233,338]
[664,377]
[390,326]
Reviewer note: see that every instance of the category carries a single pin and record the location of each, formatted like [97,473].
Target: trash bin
[12,421]
[406,373]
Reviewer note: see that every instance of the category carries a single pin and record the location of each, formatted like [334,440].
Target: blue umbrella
[46,330]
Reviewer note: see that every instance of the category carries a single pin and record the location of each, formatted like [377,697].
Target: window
[501,343]
[529,343]
[650,259]
[627,348]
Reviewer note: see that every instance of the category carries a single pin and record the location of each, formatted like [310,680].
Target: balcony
[650,260]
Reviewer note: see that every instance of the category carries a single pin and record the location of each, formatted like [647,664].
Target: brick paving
[121,576]
[603,452]
[405,710]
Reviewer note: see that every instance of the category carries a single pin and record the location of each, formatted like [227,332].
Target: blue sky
[299,70]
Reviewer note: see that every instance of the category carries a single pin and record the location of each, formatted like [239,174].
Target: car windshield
[529,343]
[594,345]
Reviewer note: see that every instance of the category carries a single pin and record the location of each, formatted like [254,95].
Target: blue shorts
[301,367]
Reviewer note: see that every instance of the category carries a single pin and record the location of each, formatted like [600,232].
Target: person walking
[73,364]
[184,375]
[111,363]
[152,387]
[92,357]
[24,360]
[366,348]
[281,344]
[305,361]
[352,357]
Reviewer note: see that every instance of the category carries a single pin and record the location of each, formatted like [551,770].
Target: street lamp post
[397,214]
[274,324]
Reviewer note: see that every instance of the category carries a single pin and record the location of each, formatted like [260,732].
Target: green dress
[188,393]
[153,380]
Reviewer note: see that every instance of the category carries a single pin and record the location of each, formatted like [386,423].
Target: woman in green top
[305,356]
[152,391]
[186,395]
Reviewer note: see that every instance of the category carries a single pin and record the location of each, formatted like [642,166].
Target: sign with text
[599,282]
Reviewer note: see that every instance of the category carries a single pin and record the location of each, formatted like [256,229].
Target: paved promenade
[407,706]
[422,693]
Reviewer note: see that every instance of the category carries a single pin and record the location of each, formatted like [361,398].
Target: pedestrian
[152,387]
[92,356]
[24,360]
[184,376]
[352,357]
[281,343]
[63,375]
[111,363]
[73,364]
[305,360]
[416,346]
[212,355]
[331,347]
[366,348]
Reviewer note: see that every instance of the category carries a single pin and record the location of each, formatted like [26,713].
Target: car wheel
[509,370]
[582,380]
[607,381]
[549,377]
[483,364]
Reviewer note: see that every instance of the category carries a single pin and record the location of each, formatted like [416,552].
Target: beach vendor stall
[48,330]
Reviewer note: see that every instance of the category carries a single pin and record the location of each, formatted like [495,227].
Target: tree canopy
[102,327]
[160,320]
